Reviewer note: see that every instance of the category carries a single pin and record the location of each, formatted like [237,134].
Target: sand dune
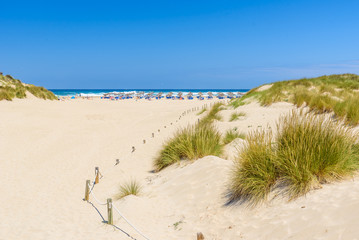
[49,149]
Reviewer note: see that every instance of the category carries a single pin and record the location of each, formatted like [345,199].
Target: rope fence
[110,206]
[89,187]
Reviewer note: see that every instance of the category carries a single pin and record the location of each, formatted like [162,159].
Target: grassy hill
[13,88]
[333,93]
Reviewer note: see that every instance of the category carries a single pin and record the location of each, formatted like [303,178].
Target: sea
[100,92]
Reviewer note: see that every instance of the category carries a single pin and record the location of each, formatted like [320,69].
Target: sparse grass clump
[235,116]
[231,135]
[190,143]
[307,151]
[130,188]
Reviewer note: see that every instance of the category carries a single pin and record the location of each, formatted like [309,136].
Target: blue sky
[176,44]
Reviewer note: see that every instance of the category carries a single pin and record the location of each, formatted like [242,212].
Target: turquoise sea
[100,92]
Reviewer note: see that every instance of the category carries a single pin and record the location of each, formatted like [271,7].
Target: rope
[128,155]
[96,198]
[118,211]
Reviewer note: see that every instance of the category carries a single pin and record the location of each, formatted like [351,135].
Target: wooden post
[109,211]
[97,172]
[153,135]
[159,130]
[87,190]
[144,141]
[200,236]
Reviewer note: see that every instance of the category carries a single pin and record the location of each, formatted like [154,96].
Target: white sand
[49,148]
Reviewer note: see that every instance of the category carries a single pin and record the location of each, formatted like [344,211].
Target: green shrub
[190,143]
[129,188]
[309,150]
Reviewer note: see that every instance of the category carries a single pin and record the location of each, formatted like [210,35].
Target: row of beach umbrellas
[171,95]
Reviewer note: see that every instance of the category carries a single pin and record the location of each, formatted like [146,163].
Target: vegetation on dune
[130,188]
[307,151]
[193,142]
[202,111]
[213,114]
[231,135]
[254,173]
[235,103]
[235,116]
[333,93]
[11,88]
[190,143]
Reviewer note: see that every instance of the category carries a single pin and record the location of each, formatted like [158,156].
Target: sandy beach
[50,148]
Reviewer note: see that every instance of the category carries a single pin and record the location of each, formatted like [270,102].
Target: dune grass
[333,93]
[307,151]
[190,143]
[231,135]
[236,102]
[202,111]
[254,172]
[41,92]
[11,88]
[213,114]
[235,116]
[129,188]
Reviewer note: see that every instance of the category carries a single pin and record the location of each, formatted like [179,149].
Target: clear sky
[176,44]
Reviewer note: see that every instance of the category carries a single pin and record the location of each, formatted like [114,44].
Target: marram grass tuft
[307,151]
